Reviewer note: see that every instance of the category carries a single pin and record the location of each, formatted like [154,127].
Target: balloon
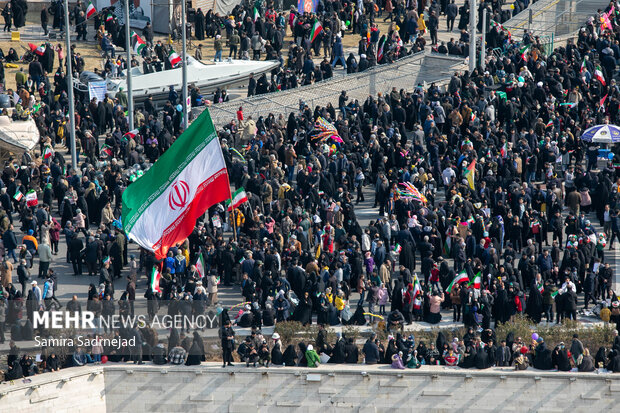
[179,108]
[534,336]
[104,359]
[520,84]
[521,79]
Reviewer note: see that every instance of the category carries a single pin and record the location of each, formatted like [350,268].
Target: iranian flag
[417,304]
[131,134]
[173,58]
[155,278]
[200,266]
[238,198]
[109,17]
[397,249]
[40,50]
[185,181]
[476,282]
[31,198]
[90,10]
[48,152]
[583,66]
[598,74]
[523,52]
[255,14]
[138,43]
[417,288]
[460,278]
[106,150]
[316,29]
[504,150]
[18,196]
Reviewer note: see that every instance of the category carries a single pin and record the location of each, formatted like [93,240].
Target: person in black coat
[44,20]
[339,353]
[560,358]
[542,356]
[277,358]
[481,358]
[351,352]
[15,372]
[75,253]
[19,13]
[195,355]
[303,311]
[159,354]
[289,358]
[199,25]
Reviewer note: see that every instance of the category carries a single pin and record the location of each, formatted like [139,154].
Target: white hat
[34,282]
[310,348]
[275,336]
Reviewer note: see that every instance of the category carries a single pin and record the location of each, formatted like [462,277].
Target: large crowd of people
[504,195]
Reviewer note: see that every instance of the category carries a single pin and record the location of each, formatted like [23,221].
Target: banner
[307,6]
[97,90]
[139,11]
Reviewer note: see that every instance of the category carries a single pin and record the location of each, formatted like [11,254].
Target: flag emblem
[179,193]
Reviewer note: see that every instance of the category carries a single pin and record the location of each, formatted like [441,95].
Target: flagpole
[70,89]
[234,218]
[483,47]
[473,20]
[184,67]
[128,49]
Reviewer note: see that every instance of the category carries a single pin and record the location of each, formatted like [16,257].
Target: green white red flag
[238,198]
[316,30]
[131,134]
[155,278]
[48,152]
[31,198]
[185,181]
[40,50]
[90,10]
[476,282]
[200,266]
[523,52]
[460,278]
[598,74]
[173,58]
[18,196]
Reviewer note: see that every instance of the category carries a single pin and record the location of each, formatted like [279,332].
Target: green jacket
[219,45]
[312,358]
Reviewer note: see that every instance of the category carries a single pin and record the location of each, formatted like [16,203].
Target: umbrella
[602,134]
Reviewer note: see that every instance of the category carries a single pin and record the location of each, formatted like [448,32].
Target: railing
[405,73]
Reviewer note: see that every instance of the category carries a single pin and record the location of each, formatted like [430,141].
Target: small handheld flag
[155,278]
[31,198]
[174,58]
[90,10]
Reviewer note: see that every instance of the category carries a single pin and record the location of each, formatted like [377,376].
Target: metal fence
[405,73]
[554,18]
